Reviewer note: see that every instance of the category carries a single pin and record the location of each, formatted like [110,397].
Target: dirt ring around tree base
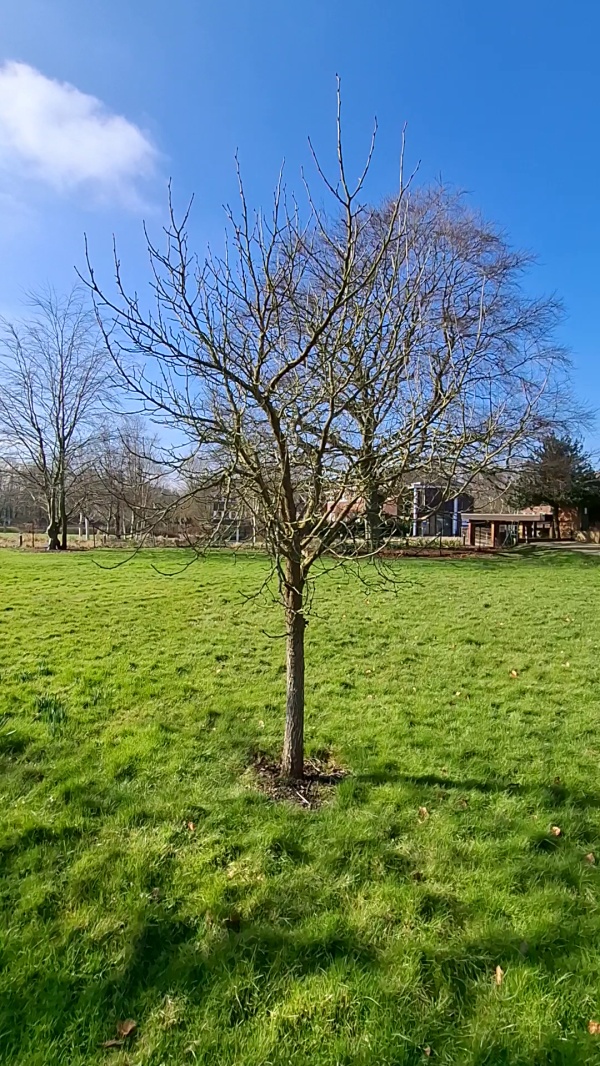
[320,777]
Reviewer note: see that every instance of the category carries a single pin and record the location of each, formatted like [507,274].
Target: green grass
[360,933]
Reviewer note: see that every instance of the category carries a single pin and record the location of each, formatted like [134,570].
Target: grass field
[144,877]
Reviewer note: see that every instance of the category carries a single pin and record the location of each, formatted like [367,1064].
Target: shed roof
[519,516]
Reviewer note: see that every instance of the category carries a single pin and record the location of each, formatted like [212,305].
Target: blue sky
[501,99]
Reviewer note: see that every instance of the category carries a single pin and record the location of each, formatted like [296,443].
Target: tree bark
[63,527]
[62,508]
[53,527]
[52,532]
[292,761]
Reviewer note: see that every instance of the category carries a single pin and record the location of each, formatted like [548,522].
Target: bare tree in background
[122,493]
[454,369]
[53,380]
[322,359]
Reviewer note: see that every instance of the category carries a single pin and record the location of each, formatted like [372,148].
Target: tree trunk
[555,522]
[63,528]
[52,532]
[53,527]
[292,761]
[62,511]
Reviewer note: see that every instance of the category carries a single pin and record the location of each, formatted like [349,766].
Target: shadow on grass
[559,948]
[548,556]
[250,963]
[234,963]
[553,948]
[559,555]
[554,794]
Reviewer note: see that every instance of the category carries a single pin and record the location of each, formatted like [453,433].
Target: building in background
[434,514]
[505,529]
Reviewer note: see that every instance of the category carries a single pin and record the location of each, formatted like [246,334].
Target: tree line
[64,453]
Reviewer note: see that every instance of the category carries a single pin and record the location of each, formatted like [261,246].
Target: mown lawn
[143,876]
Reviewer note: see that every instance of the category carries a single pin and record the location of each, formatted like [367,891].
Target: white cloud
[55,134]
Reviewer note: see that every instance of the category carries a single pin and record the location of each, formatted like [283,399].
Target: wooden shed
[496,530]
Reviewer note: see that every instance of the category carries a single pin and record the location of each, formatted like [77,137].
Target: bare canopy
[326,358]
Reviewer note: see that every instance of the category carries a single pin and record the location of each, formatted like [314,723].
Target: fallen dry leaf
[113,1043]
[514,673]
[191,827]
[423,813]
[566,664]
[427,1052]
[591,858]
[556,831]
[594,1028]
[498,975]
[127,1027]
[261,724]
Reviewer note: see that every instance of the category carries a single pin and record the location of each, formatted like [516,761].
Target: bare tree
[53,380]
[455,369]
[122,492]
[318,360]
